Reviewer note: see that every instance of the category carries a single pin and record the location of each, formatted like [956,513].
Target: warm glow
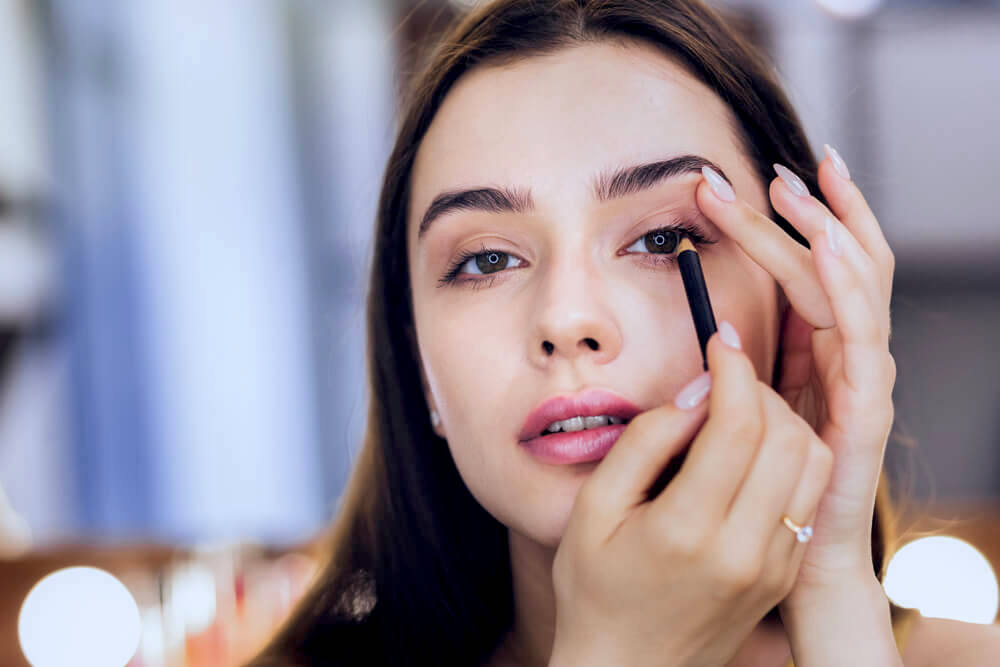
[943,577]
[79,616]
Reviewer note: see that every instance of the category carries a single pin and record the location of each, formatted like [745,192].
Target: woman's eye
[489,262]
[658,241]
[658,246]
[486,262]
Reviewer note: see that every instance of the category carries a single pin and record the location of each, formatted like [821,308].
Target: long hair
[418,572]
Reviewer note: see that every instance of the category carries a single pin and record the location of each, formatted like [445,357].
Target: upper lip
[588,403]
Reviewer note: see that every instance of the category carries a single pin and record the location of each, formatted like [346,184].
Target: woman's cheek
[746,295]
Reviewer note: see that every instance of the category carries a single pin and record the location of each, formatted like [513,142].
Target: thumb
[625,475]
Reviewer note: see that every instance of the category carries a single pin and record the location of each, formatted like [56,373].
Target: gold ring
[802,533]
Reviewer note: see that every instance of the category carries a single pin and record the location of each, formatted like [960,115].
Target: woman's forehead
[552,122]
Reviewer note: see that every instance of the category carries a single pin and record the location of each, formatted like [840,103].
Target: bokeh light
[851,9]
[943,577]
[79,616]
[193,598]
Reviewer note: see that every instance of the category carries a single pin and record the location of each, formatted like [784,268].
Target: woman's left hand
[836,369]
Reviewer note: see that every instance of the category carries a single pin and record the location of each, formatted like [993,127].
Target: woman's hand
[836,369]
[684,578]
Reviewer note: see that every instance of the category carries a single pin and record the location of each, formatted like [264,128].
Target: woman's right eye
[483,263]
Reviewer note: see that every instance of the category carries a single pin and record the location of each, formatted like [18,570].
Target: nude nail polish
[838,162]
[694,392]
[793,182]
[727,332]
[720,187]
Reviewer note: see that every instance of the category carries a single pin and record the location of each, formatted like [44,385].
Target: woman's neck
[529,641]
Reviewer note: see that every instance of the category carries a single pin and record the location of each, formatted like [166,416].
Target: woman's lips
[588,403]
[576,446]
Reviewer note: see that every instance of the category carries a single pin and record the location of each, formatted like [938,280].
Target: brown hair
[418,571]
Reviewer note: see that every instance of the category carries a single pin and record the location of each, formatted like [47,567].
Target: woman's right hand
[684,578]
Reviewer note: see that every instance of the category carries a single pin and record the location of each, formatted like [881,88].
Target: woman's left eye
[657,247]
[660,241]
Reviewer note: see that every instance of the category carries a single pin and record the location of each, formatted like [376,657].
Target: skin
[549,125]
[481,349]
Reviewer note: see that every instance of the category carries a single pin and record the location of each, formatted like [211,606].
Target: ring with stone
[802,533]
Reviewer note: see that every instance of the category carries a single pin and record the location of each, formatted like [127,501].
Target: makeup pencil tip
[685,244]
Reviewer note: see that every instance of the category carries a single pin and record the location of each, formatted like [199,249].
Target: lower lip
[575,447]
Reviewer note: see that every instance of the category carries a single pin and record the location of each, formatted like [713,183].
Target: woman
[551,156]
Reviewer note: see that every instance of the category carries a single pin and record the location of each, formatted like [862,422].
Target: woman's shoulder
[940,642]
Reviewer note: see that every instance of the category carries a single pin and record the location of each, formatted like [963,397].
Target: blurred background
[187,193]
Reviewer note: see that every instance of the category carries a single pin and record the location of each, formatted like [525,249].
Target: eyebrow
[607,186]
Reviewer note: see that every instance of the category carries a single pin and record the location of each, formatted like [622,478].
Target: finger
[863,327]
[809,216]
[774,250]
[807,495]
[776,471]
[851,208]
[724,447]
[621,480]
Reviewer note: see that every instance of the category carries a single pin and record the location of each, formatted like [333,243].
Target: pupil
[661,241]
[491,262]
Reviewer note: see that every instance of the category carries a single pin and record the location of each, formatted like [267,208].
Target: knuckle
[784,582]
[679,541]
[790,440]
[822,462]
[738,574]
[773,581]
[889,258]
[823,455]
[747,427]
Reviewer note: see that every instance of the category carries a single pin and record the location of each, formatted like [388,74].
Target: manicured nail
[833,236]
[793,182]
[838,162]
[727,332]
[694,392]
[720,187]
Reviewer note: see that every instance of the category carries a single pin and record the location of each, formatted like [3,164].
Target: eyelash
[657,259]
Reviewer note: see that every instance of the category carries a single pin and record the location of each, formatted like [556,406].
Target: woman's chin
[543,516]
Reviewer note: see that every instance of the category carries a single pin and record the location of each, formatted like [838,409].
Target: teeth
[581,423]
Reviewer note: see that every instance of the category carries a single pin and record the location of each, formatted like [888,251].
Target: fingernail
[727,332]
[833,236]
[694,392]
[793,182]
[838,162]
[720,187]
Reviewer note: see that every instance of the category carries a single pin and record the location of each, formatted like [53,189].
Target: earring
[435,418]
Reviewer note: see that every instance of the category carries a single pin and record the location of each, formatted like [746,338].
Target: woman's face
[510,330]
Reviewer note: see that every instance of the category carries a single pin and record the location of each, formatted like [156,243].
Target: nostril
[592,344]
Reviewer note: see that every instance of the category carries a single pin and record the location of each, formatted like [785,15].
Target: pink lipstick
[578,446]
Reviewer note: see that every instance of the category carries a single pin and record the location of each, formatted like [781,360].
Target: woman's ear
[433,414]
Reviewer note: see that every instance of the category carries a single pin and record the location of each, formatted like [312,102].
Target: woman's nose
[576,319]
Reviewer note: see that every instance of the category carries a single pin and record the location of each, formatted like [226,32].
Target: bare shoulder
[939,642]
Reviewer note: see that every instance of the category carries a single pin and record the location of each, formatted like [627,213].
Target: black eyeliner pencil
[697,294]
